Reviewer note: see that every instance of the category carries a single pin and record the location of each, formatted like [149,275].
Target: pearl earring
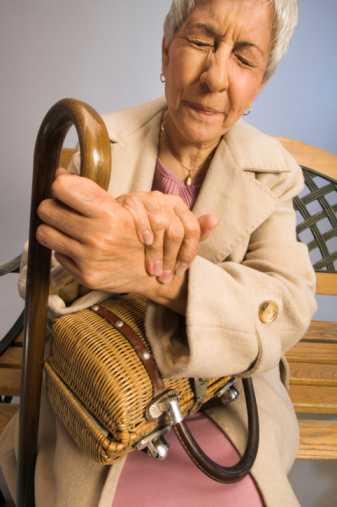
[162,77]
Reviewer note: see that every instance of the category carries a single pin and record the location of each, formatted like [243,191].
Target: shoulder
[125,122]
[273,166]
[252,149]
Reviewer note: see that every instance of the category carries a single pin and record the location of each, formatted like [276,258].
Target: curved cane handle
[210,468]
[95,164]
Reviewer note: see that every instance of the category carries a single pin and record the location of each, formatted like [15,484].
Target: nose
[214,77]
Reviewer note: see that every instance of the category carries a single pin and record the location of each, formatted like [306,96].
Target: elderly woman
[198,220]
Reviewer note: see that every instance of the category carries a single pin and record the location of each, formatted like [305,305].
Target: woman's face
[215,66]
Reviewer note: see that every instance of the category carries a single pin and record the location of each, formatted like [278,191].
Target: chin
[200,130]
[203,134]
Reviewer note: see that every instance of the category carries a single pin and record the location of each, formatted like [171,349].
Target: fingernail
[158,268]
[150,268]
[181,268]
[166,276]
[147,237]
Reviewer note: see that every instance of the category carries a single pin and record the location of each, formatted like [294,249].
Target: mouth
[209,111]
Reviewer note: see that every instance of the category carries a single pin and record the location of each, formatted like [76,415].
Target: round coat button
[268,312]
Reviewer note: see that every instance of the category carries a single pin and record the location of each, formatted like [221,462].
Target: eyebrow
[211,31]
[206,28]
[242,44]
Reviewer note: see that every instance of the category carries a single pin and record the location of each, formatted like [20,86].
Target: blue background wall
[300,100]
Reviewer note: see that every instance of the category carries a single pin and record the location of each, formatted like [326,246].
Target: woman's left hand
[169,231]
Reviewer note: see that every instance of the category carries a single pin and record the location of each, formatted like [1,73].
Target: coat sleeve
[224,332]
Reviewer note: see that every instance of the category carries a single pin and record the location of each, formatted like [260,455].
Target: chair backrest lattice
[316,209]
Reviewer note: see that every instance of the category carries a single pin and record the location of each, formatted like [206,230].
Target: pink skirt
[177,482]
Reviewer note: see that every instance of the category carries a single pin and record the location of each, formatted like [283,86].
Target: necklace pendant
[188,180]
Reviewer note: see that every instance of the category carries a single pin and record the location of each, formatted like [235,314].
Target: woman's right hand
[169,231]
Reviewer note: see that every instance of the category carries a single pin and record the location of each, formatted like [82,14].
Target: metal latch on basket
[155,444]
[229,392]
[167,405]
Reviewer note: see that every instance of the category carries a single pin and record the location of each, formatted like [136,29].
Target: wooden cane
[95,164]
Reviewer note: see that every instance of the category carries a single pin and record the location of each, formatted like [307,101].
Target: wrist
[173,295]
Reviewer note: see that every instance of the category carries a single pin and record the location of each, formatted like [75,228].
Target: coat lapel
[134,158]
[239,201]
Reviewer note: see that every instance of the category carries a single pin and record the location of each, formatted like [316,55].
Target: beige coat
[251,258]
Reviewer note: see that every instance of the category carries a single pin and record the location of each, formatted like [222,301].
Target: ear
[164,54]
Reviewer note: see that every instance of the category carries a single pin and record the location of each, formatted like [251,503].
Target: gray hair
[285,21]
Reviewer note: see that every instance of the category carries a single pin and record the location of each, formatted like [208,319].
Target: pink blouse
[176,481]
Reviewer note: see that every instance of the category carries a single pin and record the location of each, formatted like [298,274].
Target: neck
[181,155]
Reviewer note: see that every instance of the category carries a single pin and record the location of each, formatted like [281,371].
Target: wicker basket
[100,388]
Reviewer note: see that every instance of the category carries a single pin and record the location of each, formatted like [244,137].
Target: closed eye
[200,43]
[244,61]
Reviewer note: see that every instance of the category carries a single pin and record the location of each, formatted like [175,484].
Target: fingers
[61,217]
[169,231]
[174,236]
[150,229]
[151,221]
[207,225]
[190,240]
[140,216]
[81,194]
[54,240]
[59,171]
[69,265]
[154,252]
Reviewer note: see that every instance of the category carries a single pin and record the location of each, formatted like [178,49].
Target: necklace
[188,178]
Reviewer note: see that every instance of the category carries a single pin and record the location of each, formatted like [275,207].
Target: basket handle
[211,468]
[95,164]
